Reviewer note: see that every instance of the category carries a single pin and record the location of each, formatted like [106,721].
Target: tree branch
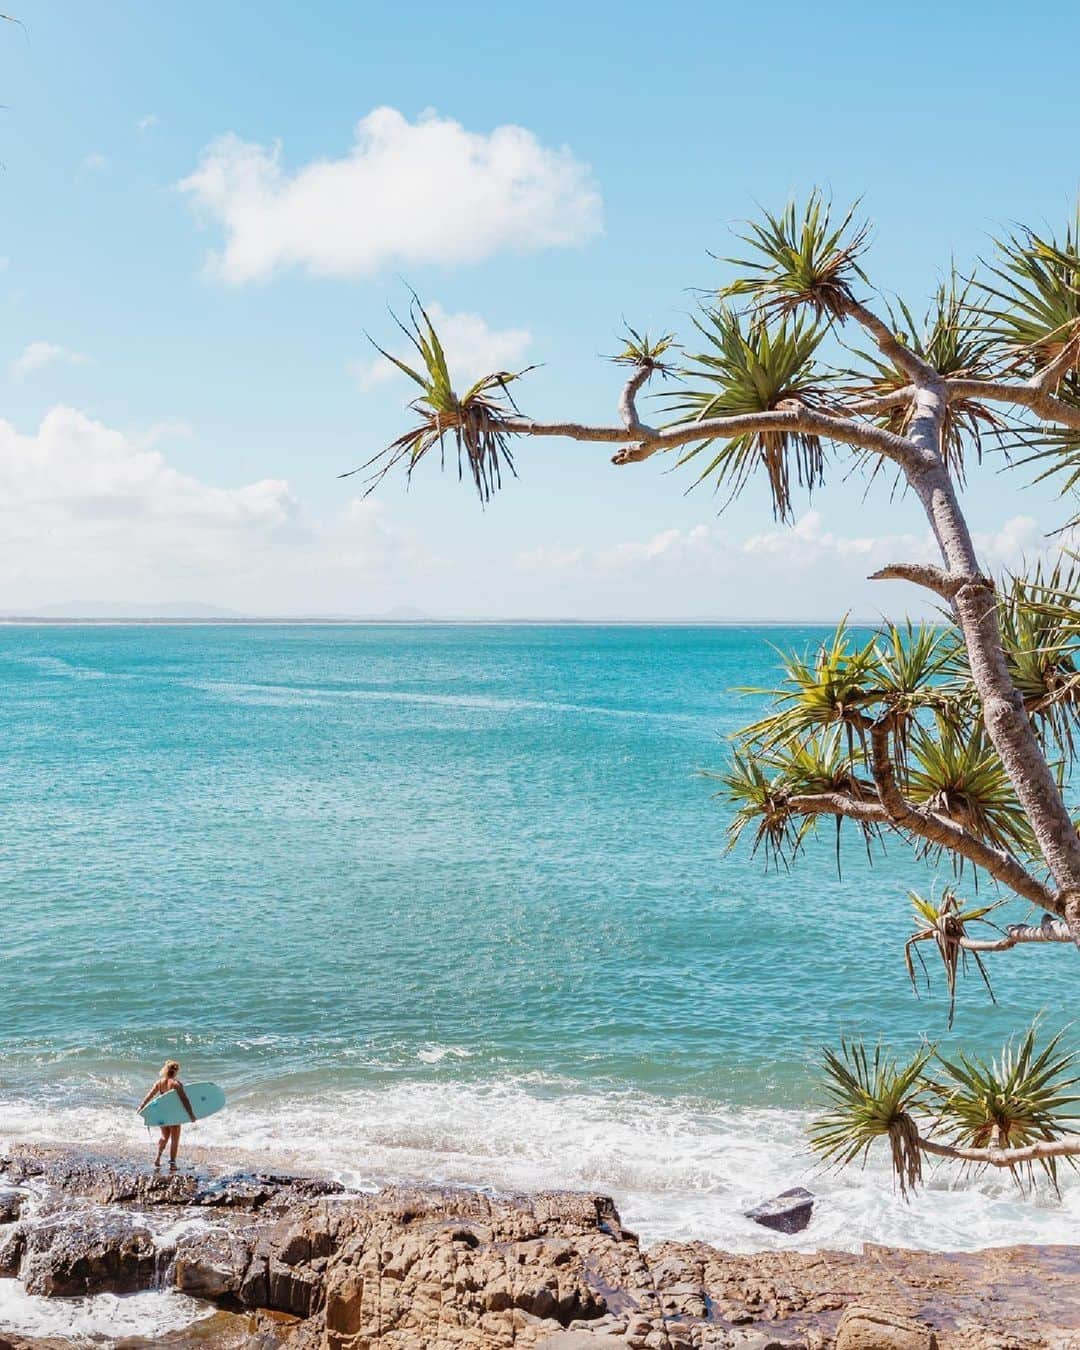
[1051,375]
[1017,934]
[1049,407]
[934,829]
[920,372]
[935,579]
[628,406]
[838,804]
[846,430]
[1003,1157]
[874,404]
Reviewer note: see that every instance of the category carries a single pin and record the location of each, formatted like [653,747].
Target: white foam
[435,1054]
[678,1169]
[279,694]
[98,1321]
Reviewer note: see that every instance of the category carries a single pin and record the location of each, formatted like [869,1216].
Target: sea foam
[677,1168]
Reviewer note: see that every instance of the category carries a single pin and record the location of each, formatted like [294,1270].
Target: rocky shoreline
[298,1263]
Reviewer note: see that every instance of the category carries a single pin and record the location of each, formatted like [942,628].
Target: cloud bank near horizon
[89,512]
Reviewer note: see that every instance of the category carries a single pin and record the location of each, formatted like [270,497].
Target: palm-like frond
[834,685]
[1040,629]
[1033,301]
[1054,451]
[760,798]
[760,785]
[753,370]
[474,421]
[801,259]
[645,352]
[957,773]
[1033,313]
[914,674]
[956,347]
[872,1097]
[945,923]
[1024,1096]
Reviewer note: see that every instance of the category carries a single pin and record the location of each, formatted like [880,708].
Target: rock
[788,1212]
[863,1327]
[765,1340]
[12,1244]
[90,1252]
[270,1330]
[9,1341]
[210,1265]
[114,1181]
[299,1265]
[582,1340]
[11,1203]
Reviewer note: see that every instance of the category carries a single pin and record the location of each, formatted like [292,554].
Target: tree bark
[1004,714]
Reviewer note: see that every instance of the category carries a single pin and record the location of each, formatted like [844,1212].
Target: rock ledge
[303,1265]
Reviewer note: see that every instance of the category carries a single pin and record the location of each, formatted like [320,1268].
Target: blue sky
[185,370]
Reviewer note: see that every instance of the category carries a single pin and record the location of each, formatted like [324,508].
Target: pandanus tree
[955,737]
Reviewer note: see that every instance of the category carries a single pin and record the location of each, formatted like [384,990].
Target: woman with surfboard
[168,1081]
[169,1106]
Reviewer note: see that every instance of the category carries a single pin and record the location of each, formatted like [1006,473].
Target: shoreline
[299,1262]
[677,1169]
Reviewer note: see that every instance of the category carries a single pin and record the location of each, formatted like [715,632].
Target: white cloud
[472,349]
[89,513]
[95,162]
[549,558]
[407,192]
[37,355]
[782,570]
[1018,541]
[147,123]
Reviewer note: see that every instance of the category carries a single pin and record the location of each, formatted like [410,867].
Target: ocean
[452,904]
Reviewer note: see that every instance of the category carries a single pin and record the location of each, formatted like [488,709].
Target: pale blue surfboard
[168,1109]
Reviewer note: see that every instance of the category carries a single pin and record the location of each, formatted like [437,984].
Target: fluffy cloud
[37,355]
[407,192]
[88,513]
[472,349]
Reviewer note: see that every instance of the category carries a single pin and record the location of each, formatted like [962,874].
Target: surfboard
[168,1109]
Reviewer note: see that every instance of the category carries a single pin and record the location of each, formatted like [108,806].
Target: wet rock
[12,1244]
[11,1203]
[304,1266]
[871,1328]
[9,1341]
[122,1181]
[788,1212]
[88,1252]
[211,1265]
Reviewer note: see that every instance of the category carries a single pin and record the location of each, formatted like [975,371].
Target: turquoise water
[448,902]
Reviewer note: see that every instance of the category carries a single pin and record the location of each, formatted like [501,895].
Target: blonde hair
[170,1068]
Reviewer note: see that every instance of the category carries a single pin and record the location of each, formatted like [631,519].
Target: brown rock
[413,1268]
[12,1244]
[211,1265]
[90,1252]
[870,1328]
[11,1203]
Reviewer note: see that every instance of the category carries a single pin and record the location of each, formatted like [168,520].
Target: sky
[208,208]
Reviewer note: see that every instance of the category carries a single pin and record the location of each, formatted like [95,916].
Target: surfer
[168,1081]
